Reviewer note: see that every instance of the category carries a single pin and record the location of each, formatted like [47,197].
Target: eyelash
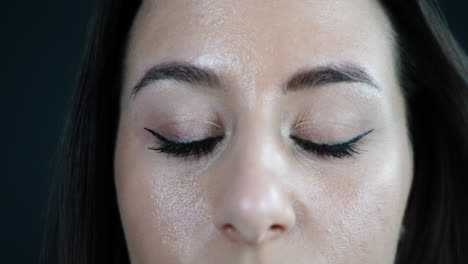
[205,146]
[196,148]
[338,150]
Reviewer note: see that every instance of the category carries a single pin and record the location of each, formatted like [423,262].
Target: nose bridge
[255,147]
[256,160]
[255,206]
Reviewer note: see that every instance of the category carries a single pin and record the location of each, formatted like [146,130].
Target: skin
[259,197]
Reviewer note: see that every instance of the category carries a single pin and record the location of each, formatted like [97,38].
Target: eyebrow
[181,72]
[333,73]
[310,77]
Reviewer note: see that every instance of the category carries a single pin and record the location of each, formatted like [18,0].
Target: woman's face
[262,132]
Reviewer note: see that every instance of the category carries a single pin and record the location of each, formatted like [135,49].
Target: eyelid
[353,140]
[204,146]
[166,140]
[187,130]
[336,150]
[158,136]
[191,149]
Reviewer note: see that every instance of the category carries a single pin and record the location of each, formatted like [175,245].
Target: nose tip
[253,203]
[264,217]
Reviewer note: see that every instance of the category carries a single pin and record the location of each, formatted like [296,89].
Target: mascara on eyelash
[185,149]
[337,150]
[201,147]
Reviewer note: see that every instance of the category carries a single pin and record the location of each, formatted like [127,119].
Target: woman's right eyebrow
[306,78]
[181,72]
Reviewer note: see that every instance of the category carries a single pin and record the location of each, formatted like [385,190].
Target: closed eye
[195,149]
[337,150]
[205,146]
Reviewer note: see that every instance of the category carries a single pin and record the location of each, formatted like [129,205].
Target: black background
[41,46]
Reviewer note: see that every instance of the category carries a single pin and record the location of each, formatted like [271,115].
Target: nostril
[277,227]
[235,234]
[228,228]
[231,232]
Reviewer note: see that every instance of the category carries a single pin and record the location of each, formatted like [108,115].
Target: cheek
[161,205]
[362,224]
[359,211]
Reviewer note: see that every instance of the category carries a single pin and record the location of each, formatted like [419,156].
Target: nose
[254,206]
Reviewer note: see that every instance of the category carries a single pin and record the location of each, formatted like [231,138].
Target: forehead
[273,35]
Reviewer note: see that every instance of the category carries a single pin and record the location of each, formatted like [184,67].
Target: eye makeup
[329,134]
[199,148]
[184,149]
[338,150]
[323,128]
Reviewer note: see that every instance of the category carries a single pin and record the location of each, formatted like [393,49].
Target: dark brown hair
[434,78]
[84,223]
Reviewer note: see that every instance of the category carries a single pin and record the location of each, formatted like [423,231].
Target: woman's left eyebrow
[304,79]
[330,74]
